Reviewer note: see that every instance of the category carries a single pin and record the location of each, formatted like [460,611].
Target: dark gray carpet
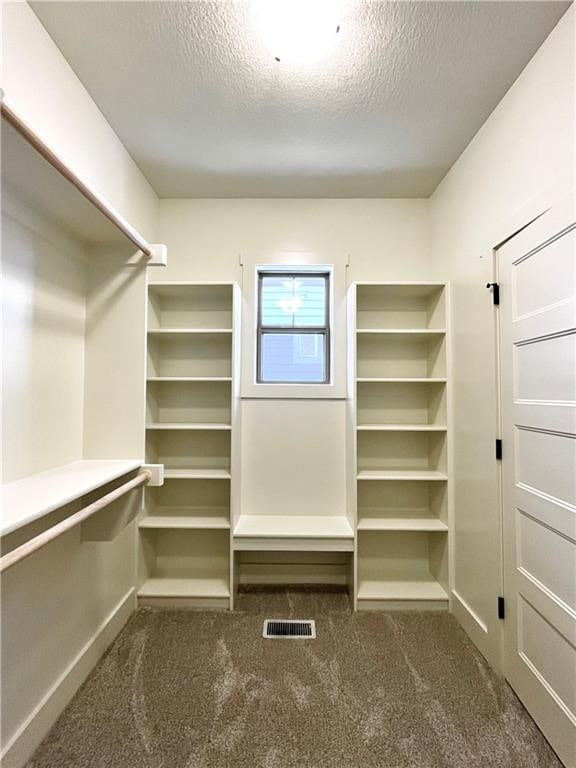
[187,689]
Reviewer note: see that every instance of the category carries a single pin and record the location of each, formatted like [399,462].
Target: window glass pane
[292,357]
[292,302]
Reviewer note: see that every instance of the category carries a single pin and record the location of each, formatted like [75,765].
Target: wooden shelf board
[399,380]
[190,378]
[298,526]
[401,590]
[197,474]
[190,426]
[191,283]
[184,331]
[399,520]
[400,428]
[405,474]
[184,587]
[33,497]
[187,517]
[415,332]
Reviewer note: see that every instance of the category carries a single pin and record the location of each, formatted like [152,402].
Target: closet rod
[20,125]
[29,547]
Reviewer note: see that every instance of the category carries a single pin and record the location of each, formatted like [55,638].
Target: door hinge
[498,449]
[501,608]
[495,292]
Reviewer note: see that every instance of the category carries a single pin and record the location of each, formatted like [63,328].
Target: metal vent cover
[289,629]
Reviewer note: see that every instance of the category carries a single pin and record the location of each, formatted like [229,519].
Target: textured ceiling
[205,110]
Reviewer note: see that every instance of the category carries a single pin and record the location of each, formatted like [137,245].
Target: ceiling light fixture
[298,31]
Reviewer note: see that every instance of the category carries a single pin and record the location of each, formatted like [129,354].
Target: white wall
[294,451]
[61,360]
[386,239]
[43,320]
[520,161]
[38,82]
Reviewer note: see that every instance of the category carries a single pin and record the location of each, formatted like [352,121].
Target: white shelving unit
[192,405]
[400,421]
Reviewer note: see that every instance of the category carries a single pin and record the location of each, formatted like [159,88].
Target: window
[293,328]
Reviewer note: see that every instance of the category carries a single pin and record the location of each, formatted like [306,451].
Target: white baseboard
[25,741]
[488,639]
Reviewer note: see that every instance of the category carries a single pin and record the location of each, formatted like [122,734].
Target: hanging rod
[33,545]
[28,133]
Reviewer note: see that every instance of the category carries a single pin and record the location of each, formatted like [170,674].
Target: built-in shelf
[30,498]
[187,331]
[197,474]
[297,526]
[399,520]
[192,379]
[185,587]
[404,474]
[185,532]
[401,438]
[401,428]
[192,427]
[297,533]
[389,380]
[411,332]
[401,590]
[187,517]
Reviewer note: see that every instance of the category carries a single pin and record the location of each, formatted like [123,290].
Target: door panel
[537,275]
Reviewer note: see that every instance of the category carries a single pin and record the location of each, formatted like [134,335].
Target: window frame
[320,330]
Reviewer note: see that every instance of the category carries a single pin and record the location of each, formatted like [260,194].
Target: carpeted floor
[186,689]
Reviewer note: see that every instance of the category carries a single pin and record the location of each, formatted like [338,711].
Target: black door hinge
[495,292]
[501,608]
[498,449]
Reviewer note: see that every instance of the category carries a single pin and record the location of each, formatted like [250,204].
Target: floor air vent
[289,629]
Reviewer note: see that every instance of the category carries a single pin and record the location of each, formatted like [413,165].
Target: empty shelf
[411,332]
[401,590]
[188,426]
[183,331]
[189,378]
[187,517]
[298,533]
[399,520]
[299,526]
[32,497]
[401,474]
[197,474]
[182,587]
[401,428]
[399,380]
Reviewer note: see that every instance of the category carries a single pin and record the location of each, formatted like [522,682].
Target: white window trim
[293,261]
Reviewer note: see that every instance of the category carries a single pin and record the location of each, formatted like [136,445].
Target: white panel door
[537,275]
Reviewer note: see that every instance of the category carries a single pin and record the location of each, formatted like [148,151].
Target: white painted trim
[34,729]
[459,601]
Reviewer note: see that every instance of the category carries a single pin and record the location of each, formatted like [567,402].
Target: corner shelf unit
[191,428]
[399,422]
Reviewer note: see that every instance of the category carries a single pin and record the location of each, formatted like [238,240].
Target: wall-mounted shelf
[30,498]
[400,433]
